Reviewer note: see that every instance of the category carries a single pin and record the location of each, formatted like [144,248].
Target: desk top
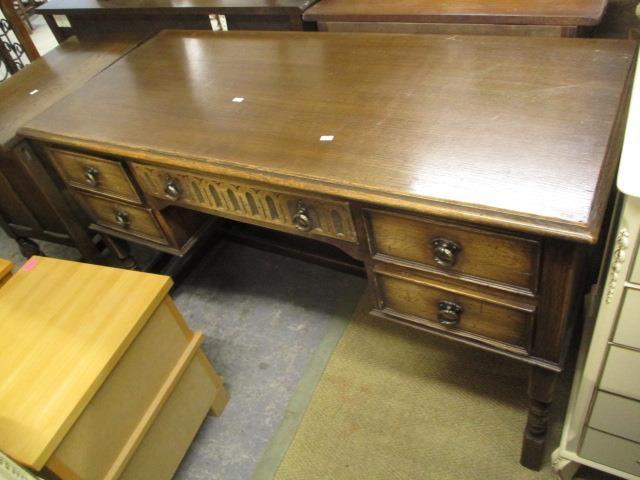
[50,78]
[254,7]
[64,327]
[509,132]
[515,12]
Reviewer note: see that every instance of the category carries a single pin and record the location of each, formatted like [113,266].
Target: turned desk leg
[541,386]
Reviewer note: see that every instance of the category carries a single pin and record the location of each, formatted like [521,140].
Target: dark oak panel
[532,12]
[512,133]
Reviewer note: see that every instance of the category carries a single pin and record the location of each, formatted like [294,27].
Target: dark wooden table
[564,18]
[470,174]
[139,19]
[31,206]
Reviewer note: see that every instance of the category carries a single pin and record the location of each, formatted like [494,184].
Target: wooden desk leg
[541,386]
[121,250]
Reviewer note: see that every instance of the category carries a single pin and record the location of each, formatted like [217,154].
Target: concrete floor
[263,316]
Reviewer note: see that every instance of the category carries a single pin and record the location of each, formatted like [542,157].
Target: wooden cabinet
[115,385]
[562,18]
[31,204]
[602,428]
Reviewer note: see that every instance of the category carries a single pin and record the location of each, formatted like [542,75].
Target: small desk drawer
[628,329]
[465,252]
[465,313]
[616,415]
[129,219]
[107,177]
[238,200]
[611,451]
[635,269]
[621,374]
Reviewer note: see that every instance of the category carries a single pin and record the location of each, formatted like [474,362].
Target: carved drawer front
[107,177]
[319,216]
[471,254]
[129,219]
[628,329]
[458,311]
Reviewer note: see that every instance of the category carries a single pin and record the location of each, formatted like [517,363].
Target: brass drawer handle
[171,190]
[445,251]
[301,219]
[91,175]
[449,313]
[122,219]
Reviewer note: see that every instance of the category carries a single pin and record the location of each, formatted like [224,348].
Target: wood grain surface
[51,78]
[520,12]
[508,132]
[64,327]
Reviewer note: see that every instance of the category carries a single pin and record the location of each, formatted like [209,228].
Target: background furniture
[16,47]
[602,428]
[115,384]
[137,20]
[31,204]
[438,175]
[565,18]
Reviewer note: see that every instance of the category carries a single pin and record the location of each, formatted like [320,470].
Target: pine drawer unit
[469,224]
[602,428]
[115,385]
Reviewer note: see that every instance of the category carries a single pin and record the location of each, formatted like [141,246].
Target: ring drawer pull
[449,313]
[171,190]
[445,251]
[91,175]
[301,219]
[122,219]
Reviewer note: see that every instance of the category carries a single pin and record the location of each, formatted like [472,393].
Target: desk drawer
[107,177]
[621,373]
[456,310]
[611,451]
[471,254]
[628,329]
[237,200]
[619,416]
[129,219]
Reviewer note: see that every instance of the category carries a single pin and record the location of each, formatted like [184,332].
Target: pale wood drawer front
[616,415]
[611,451]
[621,374]
[635,269]
[302,214]
[469,253]
[628,329]
[463,313]
[166,442]
[128,219]
[95,441]
[107,177]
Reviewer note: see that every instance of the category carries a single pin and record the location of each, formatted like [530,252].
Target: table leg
[121,250]
[541,387]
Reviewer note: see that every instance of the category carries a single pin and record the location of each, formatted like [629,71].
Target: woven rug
[393,403]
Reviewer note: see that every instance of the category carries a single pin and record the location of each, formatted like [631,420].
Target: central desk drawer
[238,200]
[129,219]
[456,310]
[107,177]
[468,253]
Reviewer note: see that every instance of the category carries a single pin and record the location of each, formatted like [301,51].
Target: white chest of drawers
[602,428]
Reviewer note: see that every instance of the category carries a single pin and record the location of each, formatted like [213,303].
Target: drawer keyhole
[445,251]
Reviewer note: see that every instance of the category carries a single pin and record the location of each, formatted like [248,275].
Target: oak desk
[139,19]
[565,18]
[468,173]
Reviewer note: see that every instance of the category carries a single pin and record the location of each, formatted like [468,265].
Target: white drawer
[622,373]
[628,329]
[611,451]
[635,269]
[617,415]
